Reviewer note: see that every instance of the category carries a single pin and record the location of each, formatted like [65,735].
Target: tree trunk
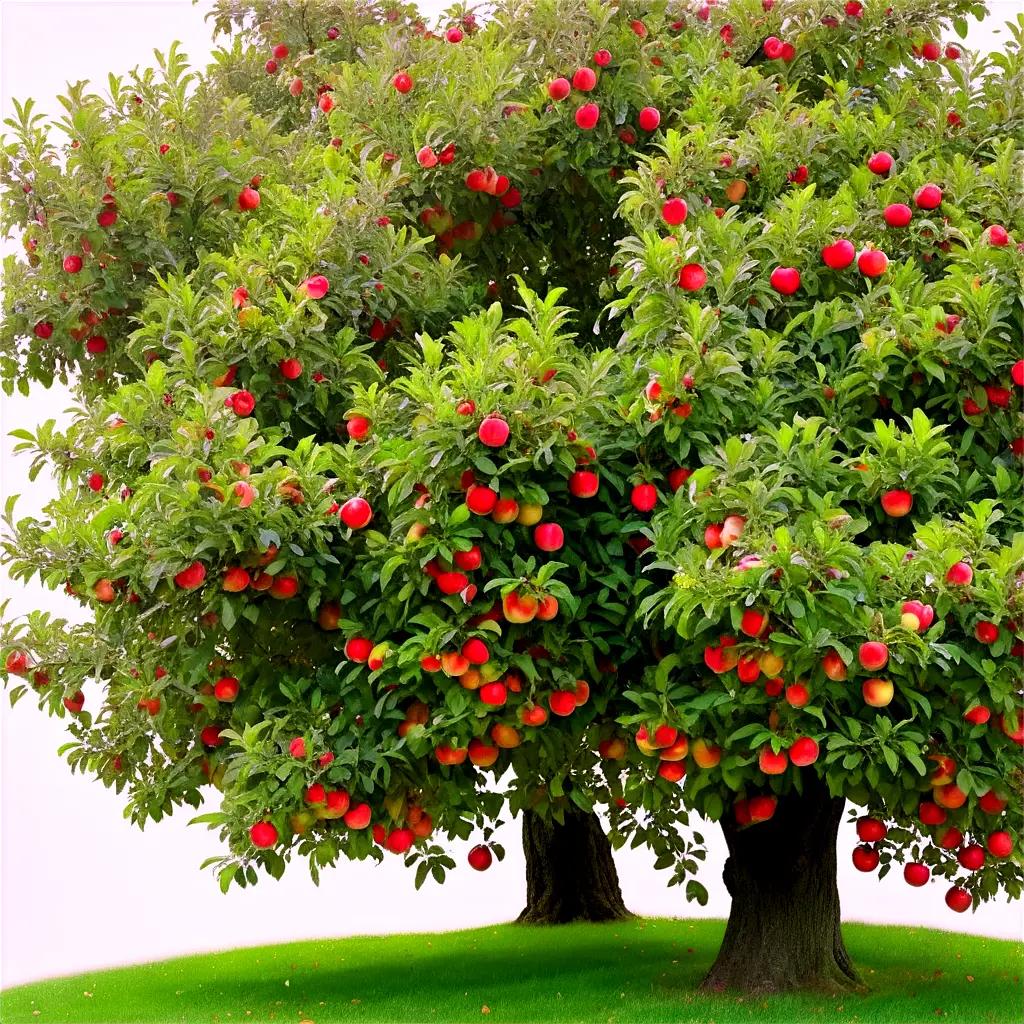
[784,925]
[570,874]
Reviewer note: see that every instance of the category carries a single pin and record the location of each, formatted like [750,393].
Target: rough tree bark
[570,874]
[784,925]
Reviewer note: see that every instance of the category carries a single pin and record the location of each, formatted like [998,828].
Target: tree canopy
[580,405]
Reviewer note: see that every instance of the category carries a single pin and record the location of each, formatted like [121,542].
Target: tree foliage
[657,424]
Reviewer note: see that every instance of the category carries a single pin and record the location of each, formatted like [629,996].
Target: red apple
[958,899]
[916,874]
[263,835]
[674,211]
[785,280]
[480,858]
[897,503]
[871,830]
[865,858]
[873,655]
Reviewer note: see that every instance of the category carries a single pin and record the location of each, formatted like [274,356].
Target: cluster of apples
[676,400]
[668,745]
[932,814]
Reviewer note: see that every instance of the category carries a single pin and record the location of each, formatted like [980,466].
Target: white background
[80,887]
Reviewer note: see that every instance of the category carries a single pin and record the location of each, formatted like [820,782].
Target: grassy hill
[641,971]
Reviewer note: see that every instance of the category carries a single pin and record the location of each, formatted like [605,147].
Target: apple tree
[574,408]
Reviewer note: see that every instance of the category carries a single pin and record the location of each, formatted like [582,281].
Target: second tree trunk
[570,874]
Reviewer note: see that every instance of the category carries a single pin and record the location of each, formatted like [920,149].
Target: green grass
[640,971]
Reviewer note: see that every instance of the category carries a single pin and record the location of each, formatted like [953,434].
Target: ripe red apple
[284,587]
[872,262]
[548,537]
[753,623]
[72,264]
[584,79]
[692,277]
[960,574]
[950,838]
[290,369]
[879,163]
[534,714]
[562,702]
[797,695]
[316,794]
[356,513]
[672,771]
[761,808]
[494,694]
[674,211]
[584,483]
[263,835]
[945,769]
[357,817]
[803,752]
[248,199]
[506,737]
[402,82]
[644,497]
[996,236]
[865,858]
[493,431]
[1000,844]
[873,655]
[991,803]
[877,693]
[771,763]
[649,118]
[43,330]
[297,748]
[986,632]
[18,663]
[958,899]
[76,702]
[481,500]
[839,255]
[559,88]
[972,858]
[358,649]
[226,689]
[897,215]
[480,858]
[916,874]
[191,577]
[399,840]
[587,116]
[482,754]
[871,830]
[977,715]
[706,754]
[833,666]
[931,814]
[236,579]
[475,651]
[785,280]
[773,47]
[928,197]
[602,58]
[897,503]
